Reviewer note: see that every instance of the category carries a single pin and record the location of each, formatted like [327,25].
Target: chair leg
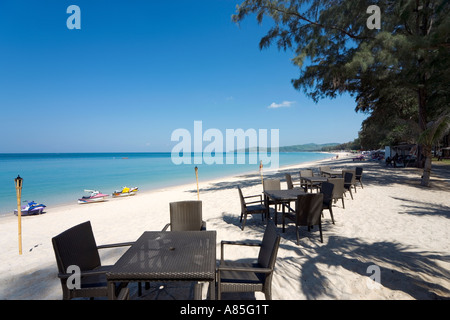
[350,189]
[331,213]
[243,222]
[218,286]
[320,229]
[298,235]
[268,288]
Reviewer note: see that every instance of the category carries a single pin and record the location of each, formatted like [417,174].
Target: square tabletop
[281,196]
[314,179]
[168,255]
[284,195]
[332,172]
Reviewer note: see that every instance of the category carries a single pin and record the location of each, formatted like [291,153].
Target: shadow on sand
[402,267]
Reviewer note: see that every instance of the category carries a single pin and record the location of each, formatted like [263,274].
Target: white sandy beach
[392,223]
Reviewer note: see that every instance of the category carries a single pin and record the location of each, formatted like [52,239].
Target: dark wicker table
[283,197]
[312,180]
[332,173]
[168,256]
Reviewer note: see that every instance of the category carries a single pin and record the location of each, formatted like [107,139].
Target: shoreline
[392,222]
[61,205]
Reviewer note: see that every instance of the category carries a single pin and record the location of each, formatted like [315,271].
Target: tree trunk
[427,167]
[427,146]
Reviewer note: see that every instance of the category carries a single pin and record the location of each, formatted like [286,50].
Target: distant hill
[307,147]
[299,147]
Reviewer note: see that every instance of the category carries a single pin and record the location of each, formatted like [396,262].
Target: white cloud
[284,104]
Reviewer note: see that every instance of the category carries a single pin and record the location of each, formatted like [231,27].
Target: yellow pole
[260,172]
[196,175]
[18,182]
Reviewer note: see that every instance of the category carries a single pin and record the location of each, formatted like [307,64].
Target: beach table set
[312,181]
[283,197]
[332,173]
[168,256]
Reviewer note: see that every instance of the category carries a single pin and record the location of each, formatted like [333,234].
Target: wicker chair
[304,185]
[338,190]
[358,175]
[324,168]
[186,216]
[290,184]
[272,184]
[251,207]
[308,212]
[77,247]
[327,191]
[349,181]
[250,277]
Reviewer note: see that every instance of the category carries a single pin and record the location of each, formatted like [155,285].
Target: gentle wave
[58,178]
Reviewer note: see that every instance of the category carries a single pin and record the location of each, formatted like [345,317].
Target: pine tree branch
[310,22]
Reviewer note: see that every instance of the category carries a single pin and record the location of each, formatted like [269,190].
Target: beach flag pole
[260,172]
[196,176]
[18,182]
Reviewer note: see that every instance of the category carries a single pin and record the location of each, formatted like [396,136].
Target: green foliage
[352,145]
[294,148]
[403,66]
[308,147]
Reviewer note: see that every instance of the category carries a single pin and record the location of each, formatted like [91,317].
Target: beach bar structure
[407,153]
[445,153]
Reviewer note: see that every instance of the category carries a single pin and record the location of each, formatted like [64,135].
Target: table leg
[276,213]
[212,290]
[198,291]
[111,290]
[266,204]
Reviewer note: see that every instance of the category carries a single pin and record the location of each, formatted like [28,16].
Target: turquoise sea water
[59,178]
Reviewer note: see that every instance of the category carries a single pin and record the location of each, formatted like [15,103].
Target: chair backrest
[309,208]
[186,215]
[306,173]
[358,172]
[338,189]
[289,183]
[76,246]
[327,191]
[241,197]
[272,184]
[269,246]
[324,168]
[349,177]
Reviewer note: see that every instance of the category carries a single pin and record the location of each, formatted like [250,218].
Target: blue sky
[138,70]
